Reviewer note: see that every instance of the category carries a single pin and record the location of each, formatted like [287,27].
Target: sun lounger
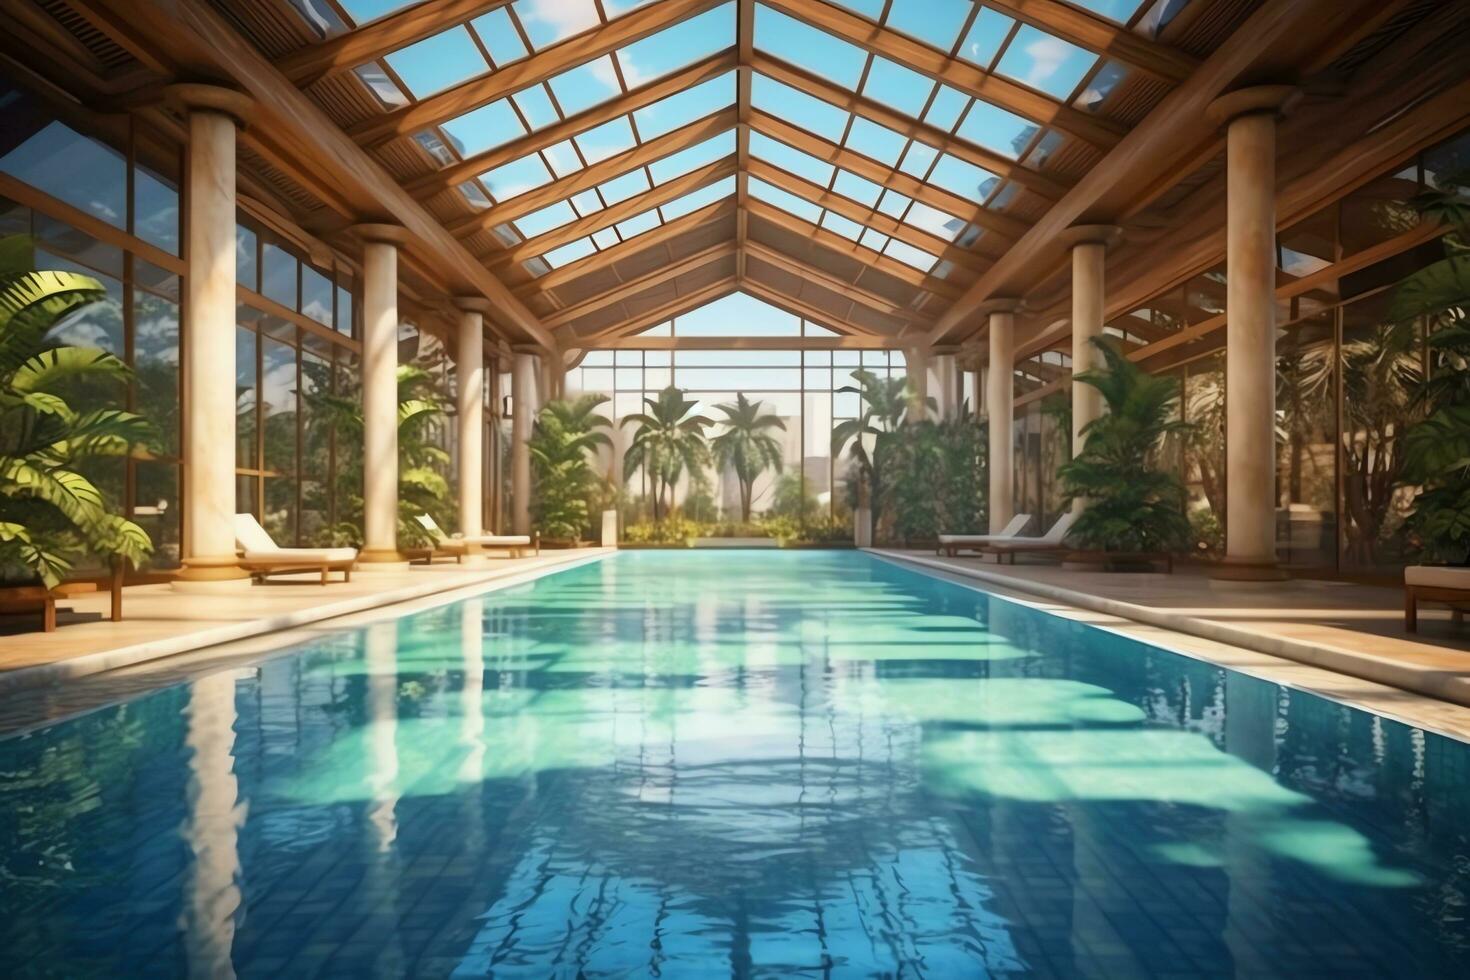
[458,546]
[1048,542]
[1435,583]
[951,544]
[261,556]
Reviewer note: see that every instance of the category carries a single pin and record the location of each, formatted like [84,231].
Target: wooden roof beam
[674,307]
[745,44]
[1085,29]
[383,36]
[651,280]
[849,342]
[547,63]
[645,95]
[797,307]
[662,194]
[797,267]
[971,79]
[907,126]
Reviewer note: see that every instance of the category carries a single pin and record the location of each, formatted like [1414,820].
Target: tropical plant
[746,445]
[869,437]
[668,443]
[49,510]
[938,478]
[564,433]
[422,462]
[1132,503]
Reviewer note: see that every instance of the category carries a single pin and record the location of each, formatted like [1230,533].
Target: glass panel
[783,200]
[806,47]
[567,254]
[945,110]
[436,63]
[685,107]
[500,37]
[960,177]
[936,22]
[1101,86]
[1306,484]
[278,405]
[874,141]
[72,168]
[586,86]
[384,89]
[278,279]
[245,408]
[996,129]
[857,188]
[548,23]
[985,37]
[692,158]
[515,178]
[156,365]
[246,273]
[316,295]
[609,139]
[155,210]
[621,188]
[811,114]
[897,87]
[536,108]
[156,509]
[484,128]
[788,158]
[1045,62]
[544,220]
[695,200]
[678,45]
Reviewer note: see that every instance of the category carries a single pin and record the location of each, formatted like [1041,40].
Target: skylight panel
[985,37]
[894,204]
[874,240]
[363,11]
[515,178]
[376,79]
[639,223]
[630,184]
[605,237]
[535,106]
[917,159]
[586,202]
[806,47]
[960,177]
[1101,86]
[936,222]
[842,226]
[485,128]
[684,107]
[872,9]
[585,86]
[436,63]
[500,37]
[996,129]
[617,8]
[811,114]
[569,253]
[609,139]
[788,158]
[1118,10]
[936,22]
[474,195]
[1044,148]
[877,142]
[783,200]
[897,87]
[544,220]
[692,157]
[434,146]
[910,256]
[945,110]
[859,189]
[549,21]
[1044,62]
[678,45]
[696,199]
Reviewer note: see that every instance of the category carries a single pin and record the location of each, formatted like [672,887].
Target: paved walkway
[1355,630]
[159,622]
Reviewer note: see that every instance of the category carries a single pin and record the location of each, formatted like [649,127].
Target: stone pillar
[523,414]
[1000,383]
[946,385]
[916,362]
[469,366]
[209,339]
[1249,116]
[380,396]
[1089,244]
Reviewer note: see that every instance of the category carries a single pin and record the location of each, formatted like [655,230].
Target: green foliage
[1132,503]
[670,530]
[870,438]
[564,434]
[668,443]
[939,479]
[49,511]
[746,445]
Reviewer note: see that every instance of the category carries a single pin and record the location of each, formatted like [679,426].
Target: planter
[563,543]
[736,543]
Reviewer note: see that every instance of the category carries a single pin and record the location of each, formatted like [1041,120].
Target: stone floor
[159,622]
[1353,631]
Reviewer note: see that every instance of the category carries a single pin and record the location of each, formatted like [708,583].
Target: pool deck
[159,622]
[1327,637]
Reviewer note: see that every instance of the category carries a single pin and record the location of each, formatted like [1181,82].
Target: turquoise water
[736,763]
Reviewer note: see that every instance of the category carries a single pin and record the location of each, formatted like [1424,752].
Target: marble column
[1000,383]
[916,362]
[1089,244]
[945,385]
[523,414]
[380,396]
[211,828]
[470,372]
[1249,116]
[208,351]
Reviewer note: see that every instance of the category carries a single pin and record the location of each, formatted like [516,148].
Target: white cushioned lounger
[951,543]
[262,556]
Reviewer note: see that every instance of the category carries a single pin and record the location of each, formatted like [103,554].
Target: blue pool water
[732,763]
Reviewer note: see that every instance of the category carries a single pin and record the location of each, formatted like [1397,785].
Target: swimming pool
[752,763]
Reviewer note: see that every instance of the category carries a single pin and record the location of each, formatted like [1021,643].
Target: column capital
[1002,304]
[201,97]
[530,350]
[1104,235]
[1275,100]
[472,304]
[380,233]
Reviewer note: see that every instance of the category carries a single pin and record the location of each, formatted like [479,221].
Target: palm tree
[1132,503]
[564,433]
[669,442]
[47,506]
[747,446]
[885,404]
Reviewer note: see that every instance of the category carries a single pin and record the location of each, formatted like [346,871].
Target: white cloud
[1047,55]
[563,17]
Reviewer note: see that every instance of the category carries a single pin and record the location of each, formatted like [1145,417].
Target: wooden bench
[26,599]
[1449,584]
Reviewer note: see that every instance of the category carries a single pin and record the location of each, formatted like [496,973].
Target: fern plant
[50,511]
[1132,503]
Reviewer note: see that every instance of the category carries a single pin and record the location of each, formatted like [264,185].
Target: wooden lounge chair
[24,599]
[517,545]
[1051,541]
[952,544]
[262,557]
[1449,584]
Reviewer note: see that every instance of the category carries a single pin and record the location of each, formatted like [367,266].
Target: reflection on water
[740,763]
